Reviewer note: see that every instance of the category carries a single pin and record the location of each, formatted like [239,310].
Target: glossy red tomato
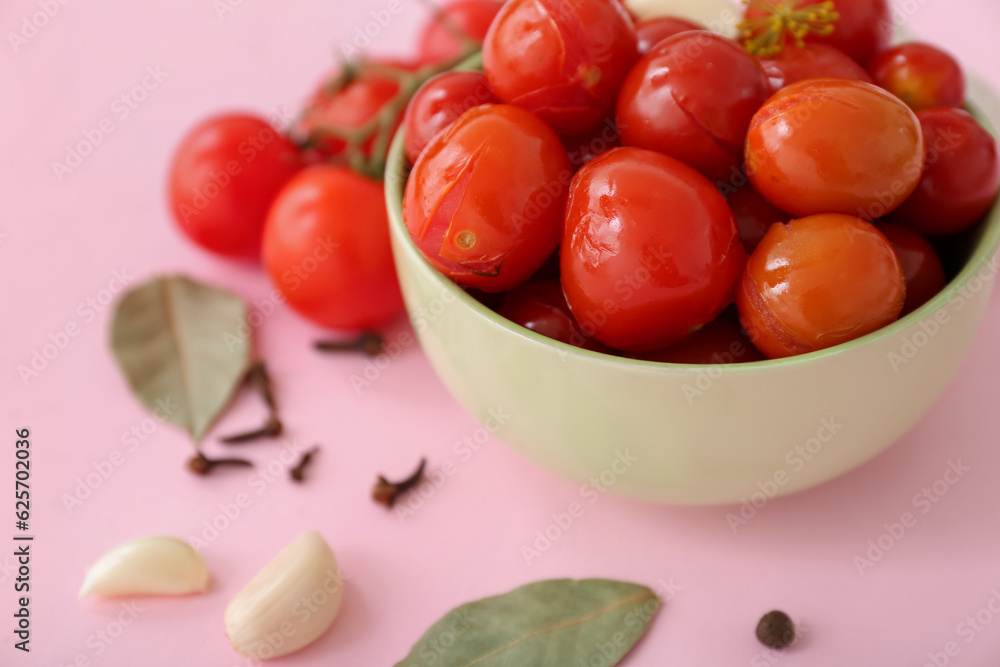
[653,31]
[438,43]
[650,250]
[961,178]
[921,75]
[863,28]
[484,202]
[346,106]
[439,103]
[223,177]
[922,267]
[561,59]
[754,215]
[326,248]
[721,341]
[810,61]
[539,305]
[817,282]
[692,98]
[835,146]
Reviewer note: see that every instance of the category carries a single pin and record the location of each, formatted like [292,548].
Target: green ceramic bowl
[695,435]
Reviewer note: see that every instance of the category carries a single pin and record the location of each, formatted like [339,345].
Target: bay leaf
[178,343]
[552,623]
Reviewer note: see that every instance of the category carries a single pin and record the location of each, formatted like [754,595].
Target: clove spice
[259,380]
[272,428]
[369,342]
[300,467]
[387,493]
[202,465]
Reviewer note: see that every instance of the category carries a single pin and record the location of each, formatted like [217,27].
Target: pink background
[61,243]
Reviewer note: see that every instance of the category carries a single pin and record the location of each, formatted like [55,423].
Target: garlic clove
[289,603]
[151,565]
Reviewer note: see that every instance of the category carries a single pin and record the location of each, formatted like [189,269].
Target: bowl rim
[982,103]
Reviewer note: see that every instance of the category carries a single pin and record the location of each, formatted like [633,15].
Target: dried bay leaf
[177,342]
[553,623]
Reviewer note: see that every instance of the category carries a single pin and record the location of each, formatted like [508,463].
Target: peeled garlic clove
[152,565]
[289,603]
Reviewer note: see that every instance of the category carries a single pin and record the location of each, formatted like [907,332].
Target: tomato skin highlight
[484,203]
[922,267]
[438,43]
[817,282]
[563,60]
[860,32]
[439,103]
[650,250]
[922,75]
[810,61]
[245,162]
[835,146]
[539,305]
[694,109]
[326,248]
[961,178]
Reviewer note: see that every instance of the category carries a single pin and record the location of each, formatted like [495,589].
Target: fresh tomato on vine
[326,248]
[348,103]
[223,178]
[456,28]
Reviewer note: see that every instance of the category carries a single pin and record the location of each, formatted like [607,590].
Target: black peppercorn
[776,630]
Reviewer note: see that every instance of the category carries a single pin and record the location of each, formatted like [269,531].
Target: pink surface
[64,242]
